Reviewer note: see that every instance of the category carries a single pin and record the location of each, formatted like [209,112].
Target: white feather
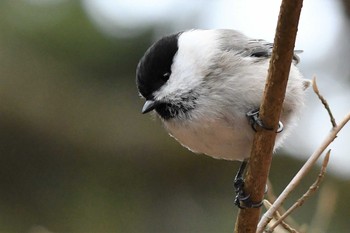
[228,86]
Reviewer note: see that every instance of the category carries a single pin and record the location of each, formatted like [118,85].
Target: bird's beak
[149,106]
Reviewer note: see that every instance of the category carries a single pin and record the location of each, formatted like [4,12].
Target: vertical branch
[270,110]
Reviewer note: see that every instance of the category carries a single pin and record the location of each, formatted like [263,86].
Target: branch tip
[323,101]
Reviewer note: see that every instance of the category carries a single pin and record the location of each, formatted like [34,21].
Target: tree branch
[312,189]
[302,172]
[277,216]
[271,198]
[270,110]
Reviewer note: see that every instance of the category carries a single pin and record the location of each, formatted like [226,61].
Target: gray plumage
[216,77]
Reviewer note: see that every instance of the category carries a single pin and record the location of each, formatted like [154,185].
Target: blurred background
[78,156]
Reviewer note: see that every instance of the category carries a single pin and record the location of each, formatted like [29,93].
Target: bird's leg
[242,199]
[254,120]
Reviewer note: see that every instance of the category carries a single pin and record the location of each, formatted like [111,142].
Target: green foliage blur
[77,155]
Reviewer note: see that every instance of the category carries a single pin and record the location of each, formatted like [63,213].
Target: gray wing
[240,44]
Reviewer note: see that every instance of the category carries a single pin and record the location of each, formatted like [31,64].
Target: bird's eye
[166,76]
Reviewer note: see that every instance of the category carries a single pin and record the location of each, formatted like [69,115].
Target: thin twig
[312,189]
[277,216]
[271,197]
[324,102]
[302,172]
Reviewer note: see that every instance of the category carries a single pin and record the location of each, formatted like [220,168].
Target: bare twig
[313,188]
[271,197]
[270,110]
[277,216]
[324,102]
[302,172]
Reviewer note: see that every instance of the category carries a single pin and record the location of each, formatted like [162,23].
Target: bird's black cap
[154,67]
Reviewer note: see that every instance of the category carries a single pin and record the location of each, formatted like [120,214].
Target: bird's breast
[217,138]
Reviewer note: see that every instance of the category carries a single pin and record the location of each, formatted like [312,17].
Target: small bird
[207,85]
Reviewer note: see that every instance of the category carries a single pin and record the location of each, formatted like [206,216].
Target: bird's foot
[242,199]
[254,120]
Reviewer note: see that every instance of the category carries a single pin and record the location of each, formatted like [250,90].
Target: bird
[206,86]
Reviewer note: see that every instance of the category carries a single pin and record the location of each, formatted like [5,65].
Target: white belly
[217,138]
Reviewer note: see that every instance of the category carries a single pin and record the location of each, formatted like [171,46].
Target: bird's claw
[242,199]
[254,120]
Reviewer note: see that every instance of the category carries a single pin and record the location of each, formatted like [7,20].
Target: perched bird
[207,85]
